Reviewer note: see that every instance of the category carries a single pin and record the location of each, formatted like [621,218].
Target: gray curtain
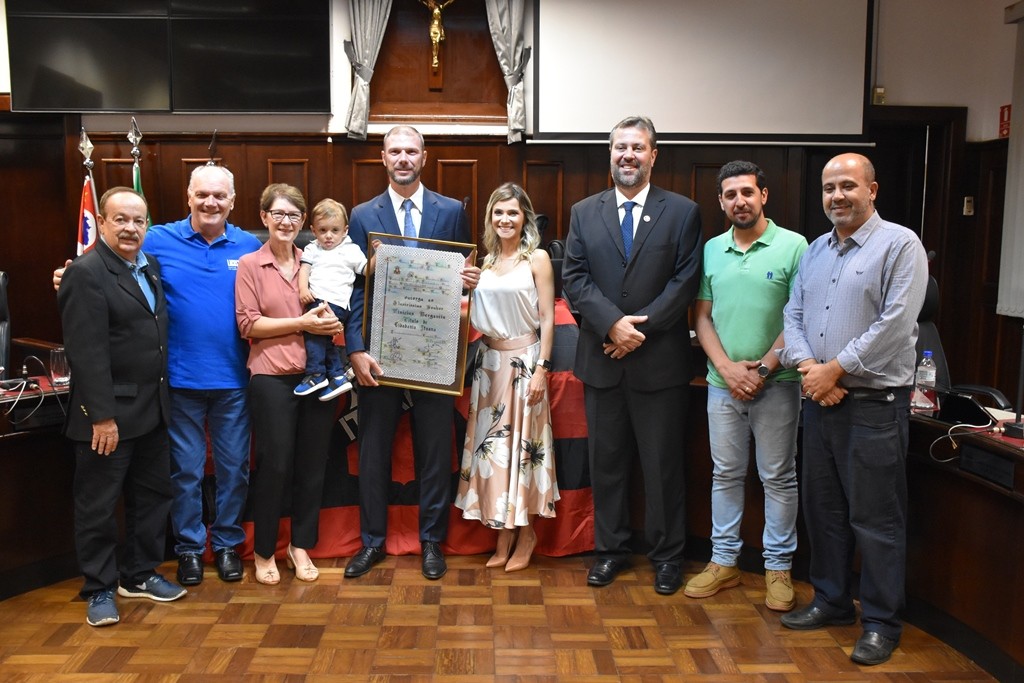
[505,19]
[369,19]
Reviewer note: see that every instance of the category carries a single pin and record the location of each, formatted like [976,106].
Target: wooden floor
[542,624]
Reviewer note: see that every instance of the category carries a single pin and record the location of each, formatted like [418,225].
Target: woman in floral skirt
[508,470]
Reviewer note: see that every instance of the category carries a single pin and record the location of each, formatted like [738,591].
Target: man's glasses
[280,216]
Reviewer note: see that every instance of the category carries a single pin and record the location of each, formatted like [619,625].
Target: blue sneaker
[309,384]
[102,609]
[155,587]
[336,387]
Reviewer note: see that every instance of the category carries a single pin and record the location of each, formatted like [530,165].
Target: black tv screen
[170,55]
[88,64]
[250,65]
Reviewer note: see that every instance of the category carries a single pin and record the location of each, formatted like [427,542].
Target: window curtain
[369,19]
[1011,264]
[505,20]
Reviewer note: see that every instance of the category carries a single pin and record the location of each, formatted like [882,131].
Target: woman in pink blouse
[291,433]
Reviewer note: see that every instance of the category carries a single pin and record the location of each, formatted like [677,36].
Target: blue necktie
[409,230]
[627,227]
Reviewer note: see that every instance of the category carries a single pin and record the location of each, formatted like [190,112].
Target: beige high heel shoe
[506,537]
[303,572]
[524,550]
[266,574]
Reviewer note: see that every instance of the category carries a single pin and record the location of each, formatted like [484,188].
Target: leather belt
[510,344]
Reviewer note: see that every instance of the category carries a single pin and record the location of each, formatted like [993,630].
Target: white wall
[947,53]
[928,52]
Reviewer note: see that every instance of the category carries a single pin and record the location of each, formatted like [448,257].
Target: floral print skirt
[508,461]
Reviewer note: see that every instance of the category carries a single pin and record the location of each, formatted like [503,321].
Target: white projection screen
[702,69]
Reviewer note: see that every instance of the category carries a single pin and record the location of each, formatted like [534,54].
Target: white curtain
[369,19]
[1011,265]
[505,19]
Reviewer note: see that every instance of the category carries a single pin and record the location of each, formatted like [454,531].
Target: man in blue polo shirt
[207,372]
[206,367]
[748,273]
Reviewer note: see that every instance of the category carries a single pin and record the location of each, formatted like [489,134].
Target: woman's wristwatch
[544,363]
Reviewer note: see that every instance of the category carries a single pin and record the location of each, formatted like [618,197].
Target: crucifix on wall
[436,37]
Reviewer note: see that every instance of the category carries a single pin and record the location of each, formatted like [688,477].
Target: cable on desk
[24,384]
[951,435]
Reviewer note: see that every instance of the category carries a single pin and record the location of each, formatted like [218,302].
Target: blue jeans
[855,495]
[772,417]
[322,356]
[227,413]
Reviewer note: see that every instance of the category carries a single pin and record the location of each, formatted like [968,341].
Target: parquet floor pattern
[475,624]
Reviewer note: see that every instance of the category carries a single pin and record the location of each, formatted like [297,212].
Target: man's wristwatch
[763,371]
[544,363]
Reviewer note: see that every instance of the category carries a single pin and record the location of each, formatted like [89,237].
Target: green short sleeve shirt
[748,291]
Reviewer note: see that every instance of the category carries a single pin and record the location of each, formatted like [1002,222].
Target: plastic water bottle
[925,400]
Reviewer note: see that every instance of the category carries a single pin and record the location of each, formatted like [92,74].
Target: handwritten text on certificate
[416,306]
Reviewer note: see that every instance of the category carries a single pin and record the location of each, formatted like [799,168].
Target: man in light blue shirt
[850,329]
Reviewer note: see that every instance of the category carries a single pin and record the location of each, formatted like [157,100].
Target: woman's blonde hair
[530,238]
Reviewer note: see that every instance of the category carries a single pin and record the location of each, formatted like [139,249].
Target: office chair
[5,328]
[928,340]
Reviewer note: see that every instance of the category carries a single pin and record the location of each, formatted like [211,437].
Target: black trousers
[292,434]
[854,489]
[432,434]
[624,424]
[140,470]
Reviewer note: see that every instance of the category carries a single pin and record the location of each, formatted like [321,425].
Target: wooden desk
[965,553]
[39,406]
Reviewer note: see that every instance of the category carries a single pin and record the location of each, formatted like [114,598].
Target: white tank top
[506,306]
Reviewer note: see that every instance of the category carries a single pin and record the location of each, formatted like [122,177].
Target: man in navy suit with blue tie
[405,208]
[632,267]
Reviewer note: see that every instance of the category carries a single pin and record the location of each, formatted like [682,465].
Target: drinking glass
[60,372]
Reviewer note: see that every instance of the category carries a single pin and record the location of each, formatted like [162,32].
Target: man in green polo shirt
[748,272]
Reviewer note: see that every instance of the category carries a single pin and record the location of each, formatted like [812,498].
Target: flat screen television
[169,55]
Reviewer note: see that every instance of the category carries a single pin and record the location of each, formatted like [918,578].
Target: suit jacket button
[624,294]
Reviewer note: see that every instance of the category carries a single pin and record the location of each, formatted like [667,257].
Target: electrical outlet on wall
[968,206]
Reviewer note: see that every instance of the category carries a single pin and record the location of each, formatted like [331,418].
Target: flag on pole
[87,217]
[137,186]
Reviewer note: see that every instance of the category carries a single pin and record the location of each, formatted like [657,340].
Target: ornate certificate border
[417,316]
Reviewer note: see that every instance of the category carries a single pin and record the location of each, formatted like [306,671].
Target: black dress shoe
[668,578]
[434,565]
[873,648]
[605,570]
[812,617]
[190,569]
[363,561]
[229,564]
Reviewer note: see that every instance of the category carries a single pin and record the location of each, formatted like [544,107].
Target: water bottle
[925,400]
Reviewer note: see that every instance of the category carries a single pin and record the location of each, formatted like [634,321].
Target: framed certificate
[418,319]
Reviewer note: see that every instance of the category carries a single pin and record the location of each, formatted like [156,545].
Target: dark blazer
[116,346]
[443,218]
[659,281]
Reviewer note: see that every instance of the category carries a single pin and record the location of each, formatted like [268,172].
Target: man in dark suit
[632,267]
[115,331]
[423,214]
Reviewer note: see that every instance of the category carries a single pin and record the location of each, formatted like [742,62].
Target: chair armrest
[992,393]
[38,344]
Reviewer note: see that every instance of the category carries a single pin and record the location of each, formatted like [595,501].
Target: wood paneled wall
[466,168]
[41,176]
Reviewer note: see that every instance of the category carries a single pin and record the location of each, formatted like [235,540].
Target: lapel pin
[647,219]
